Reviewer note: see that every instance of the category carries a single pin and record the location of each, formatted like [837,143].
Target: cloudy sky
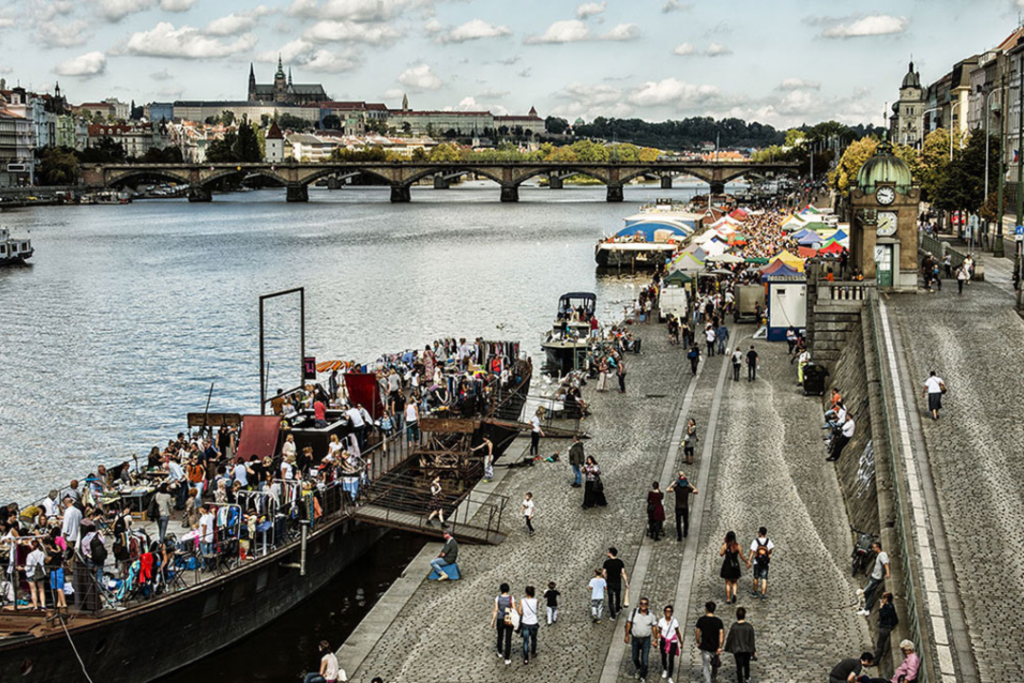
[782,62]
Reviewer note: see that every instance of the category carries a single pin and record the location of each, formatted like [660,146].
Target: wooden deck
[463,533]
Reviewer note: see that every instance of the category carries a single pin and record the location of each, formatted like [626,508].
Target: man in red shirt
[319,414]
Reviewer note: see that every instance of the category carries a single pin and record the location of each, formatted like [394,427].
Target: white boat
[14,250]
[566,343]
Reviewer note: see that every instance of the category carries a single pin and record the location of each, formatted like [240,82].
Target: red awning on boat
[259,436]
[364,390]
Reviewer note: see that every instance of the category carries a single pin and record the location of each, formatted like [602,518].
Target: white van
[673,300]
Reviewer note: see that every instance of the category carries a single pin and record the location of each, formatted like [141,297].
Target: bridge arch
[455,168]
[143,173]
[570,170]
[243,171]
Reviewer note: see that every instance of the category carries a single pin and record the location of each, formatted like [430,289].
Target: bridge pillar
[666,182]
[555,181]
[717,187]
[199,194]
[510,193]
[297,193]
[441,183]
[400,194]
[615,193]
[333,183]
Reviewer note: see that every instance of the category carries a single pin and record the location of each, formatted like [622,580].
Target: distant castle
[282,90]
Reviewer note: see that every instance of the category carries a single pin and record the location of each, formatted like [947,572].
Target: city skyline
[784,65]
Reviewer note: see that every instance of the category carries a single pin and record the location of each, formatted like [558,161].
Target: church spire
[289,76]
[280,69]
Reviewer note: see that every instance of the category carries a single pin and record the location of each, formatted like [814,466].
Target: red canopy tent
[739,214]
[833,248]
[806,252]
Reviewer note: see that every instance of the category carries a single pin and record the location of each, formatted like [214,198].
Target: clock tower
[883,227]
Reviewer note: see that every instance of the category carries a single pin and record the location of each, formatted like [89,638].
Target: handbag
[512,618]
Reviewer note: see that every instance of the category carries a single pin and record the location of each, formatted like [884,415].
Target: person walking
[710,638]
[722,337]
[751,364]
[655,512]
[597,587]
[682,489]
[732,552]
[527,512]
[528,623]
[690,440]
[602,377]
[614,573]
[934,388]
[621,372]
[551,597]
[641,629]
[576,459]
[436,508]
[163,506]
[887,621]
[879,574]
[741,645]
[709,336]
[761,549]
[962,276]
[669,642]
[791,339]
[593,487]
[737,361]
[694,356]
[504,605]
[535,433]
[488,458]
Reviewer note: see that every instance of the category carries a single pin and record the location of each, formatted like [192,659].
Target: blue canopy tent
[838,236]
[804,234]
[808,240]
[778,269]
[648,228]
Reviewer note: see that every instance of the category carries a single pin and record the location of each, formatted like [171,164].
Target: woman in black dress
[733,554]
[593,489]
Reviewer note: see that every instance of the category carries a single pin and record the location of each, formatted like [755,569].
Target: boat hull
[148,642]
[608,256]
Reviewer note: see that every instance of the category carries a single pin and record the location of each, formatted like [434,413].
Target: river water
[127,314]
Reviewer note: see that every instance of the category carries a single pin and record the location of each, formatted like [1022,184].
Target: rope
[75,649]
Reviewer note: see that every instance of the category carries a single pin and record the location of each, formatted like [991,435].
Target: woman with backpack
[732,552]
[504,618]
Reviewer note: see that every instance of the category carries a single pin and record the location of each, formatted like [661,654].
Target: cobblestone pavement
[443,632]
[769,469]
[973,342]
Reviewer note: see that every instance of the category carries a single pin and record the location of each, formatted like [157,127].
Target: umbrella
[328,365]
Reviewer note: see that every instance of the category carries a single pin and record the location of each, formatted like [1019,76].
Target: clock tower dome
[883,225]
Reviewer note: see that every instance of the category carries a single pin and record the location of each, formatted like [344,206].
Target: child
[597,586]
[551,596]
[527,511]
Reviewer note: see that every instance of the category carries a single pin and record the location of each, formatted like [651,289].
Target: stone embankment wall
[856,467]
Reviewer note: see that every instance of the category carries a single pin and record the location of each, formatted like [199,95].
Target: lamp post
[998,249]
[988,117]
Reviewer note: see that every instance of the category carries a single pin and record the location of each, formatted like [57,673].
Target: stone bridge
[401,175]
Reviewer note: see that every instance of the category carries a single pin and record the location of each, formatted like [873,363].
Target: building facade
[282,90]
[906,125]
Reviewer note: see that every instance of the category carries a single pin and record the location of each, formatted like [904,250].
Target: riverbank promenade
[759,462]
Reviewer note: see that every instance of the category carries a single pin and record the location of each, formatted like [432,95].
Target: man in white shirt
[535,433]
[358,424]
[934,388]
[71,523]
[761,553]
[205,532]
[51,508]
[641,628]
[842,438]
[878,576]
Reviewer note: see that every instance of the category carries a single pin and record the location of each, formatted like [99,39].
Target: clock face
[885,195]
[886,224]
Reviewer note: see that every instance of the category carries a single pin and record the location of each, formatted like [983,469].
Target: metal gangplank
[402,502]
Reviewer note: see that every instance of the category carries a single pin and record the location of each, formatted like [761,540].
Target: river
[127,314]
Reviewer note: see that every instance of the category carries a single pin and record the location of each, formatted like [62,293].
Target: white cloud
[176,5]
[470,104]
[331,31]
[433,26]
[293,51]
[162,75]
[590,9]
[43,11]
[170,91]
[184,43]
[671,91]
[875,25]
[567,31]
[675,6]
[230,25]
[799,84]
[4,69]
[85,66]
[474,29]
[623,32]
[325,61]
[420,78]
[69,34]
[684,49]
[495,94]
[6,22]
[116,10]
[717,50]
[356,10]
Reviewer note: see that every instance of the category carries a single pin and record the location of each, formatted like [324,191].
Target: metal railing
[904,532]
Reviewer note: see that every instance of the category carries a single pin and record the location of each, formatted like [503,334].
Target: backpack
[762,554]
[98,551]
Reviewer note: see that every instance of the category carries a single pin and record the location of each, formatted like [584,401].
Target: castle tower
[252,84]
[280,83]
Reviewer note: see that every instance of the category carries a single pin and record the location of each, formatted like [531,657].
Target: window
[238,592]
[212,605]
[261,580]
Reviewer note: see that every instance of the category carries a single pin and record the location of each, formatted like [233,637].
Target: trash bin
[814,379]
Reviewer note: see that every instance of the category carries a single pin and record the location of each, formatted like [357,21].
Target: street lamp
[988,117]
[952,106]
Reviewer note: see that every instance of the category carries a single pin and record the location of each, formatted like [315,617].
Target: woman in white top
[669,642]
[289,446]
[35,571]
[334,447]
[528,623]
[412,422]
